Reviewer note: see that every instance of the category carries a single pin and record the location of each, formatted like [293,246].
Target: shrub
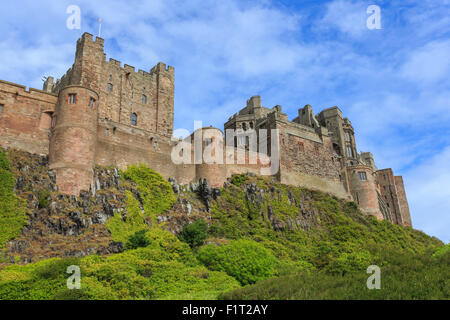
[195,233]
[238,179]
[157,194]
[122,229]
[245,260]
[442,250]
[138,240]
[42,196]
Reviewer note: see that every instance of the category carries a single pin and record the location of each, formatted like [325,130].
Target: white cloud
[428,192]
[223,52]
[428,64]
[348,17]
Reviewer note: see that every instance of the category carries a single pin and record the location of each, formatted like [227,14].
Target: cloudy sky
[392,83]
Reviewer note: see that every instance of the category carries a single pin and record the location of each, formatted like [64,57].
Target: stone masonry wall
[25,119]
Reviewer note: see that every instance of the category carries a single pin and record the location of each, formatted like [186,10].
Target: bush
[122,229]
[245,260]
[138,240]
[195,233]
[238,179]
[42,196]
[157,194]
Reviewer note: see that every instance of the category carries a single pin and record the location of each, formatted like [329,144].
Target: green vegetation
[245,260]
[195,233]
[166,269]
[122,228]
[406,277]
[42,196]
[138,240]
[156,192]
[12,209]
[156,195]
[281,242]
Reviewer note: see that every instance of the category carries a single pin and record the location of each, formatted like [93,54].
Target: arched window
[134,119]
[144,99]
[110,87]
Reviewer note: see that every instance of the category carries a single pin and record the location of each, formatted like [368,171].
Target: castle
[100,113]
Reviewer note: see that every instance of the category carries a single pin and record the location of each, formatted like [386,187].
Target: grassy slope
[322,247]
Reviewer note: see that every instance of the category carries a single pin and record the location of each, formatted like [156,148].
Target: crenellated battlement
[103,112]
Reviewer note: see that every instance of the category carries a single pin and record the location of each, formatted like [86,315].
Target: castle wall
[403,202]
[121,89]
[388,189]
[121,145]
[25,119]
[73,140]
[364,190]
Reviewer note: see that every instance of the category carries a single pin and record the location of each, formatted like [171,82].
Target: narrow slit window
[72,98]
[110,87]
[92,103]
[301,147]
[1,108]
[144,99]
[134,119]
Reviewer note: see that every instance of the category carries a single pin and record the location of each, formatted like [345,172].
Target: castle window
[347,136]
[110,87]
[251,125]
[92,103]
[244,126]
[1,108]
[144,99]
[349,151]
[72,98]
[208,141]
[301,147]
[107,131]
[362,175]
[134,119]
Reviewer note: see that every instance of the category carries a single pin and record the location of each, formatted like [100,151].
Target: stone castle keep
[100,113]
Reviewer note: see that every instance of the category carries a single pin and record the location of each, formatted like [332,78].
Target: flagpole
[99,27]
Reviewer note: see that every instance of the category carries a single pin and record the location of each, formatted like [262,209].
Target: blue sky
[393,83]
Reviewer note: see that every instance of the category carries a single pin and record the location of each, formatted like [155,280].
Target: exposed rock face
[306,218]
[61,225]
[66,225]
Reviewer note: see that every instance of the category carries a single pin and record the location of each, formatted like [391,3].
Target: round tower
[73,140]
[212,166]
[363,188]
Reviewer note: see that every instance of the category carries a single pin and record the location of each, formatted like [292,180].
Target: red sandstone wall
[403,202]
[24,121]
[73,142]
[365,191]
[389,193]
